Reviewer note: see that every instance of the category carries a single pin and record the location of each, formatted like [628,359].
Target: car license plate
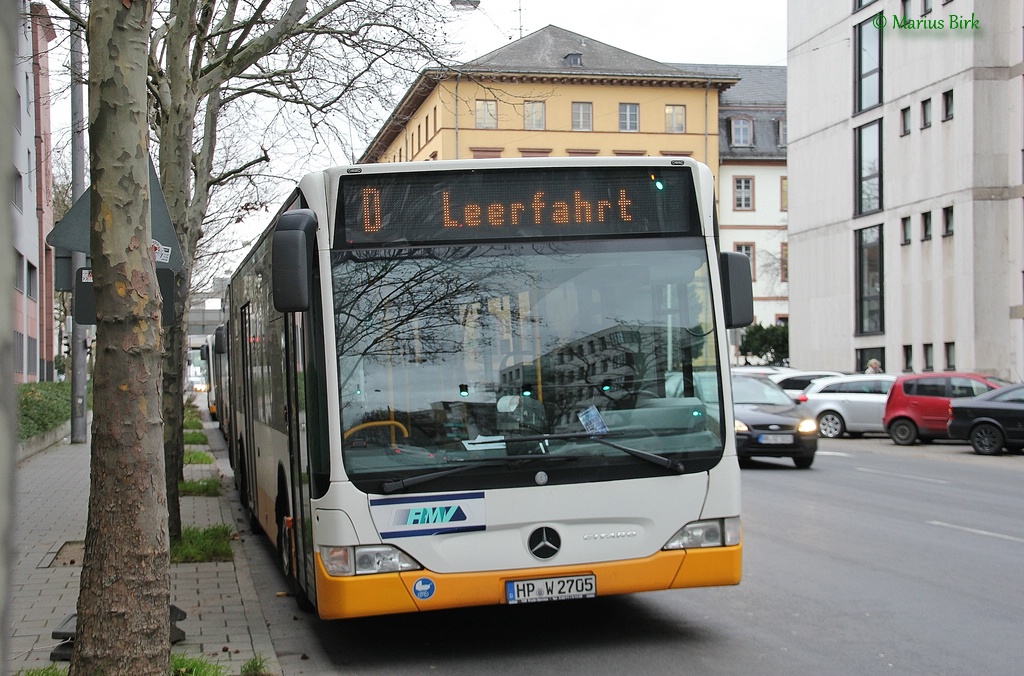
[776,438]
[551,589]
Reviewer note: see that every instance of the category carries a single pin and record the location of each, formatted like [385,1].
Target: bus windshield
[456,354]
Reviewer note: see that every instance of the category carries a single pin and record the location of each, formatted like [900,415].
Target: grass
[203,488]
[181,665]
[196,438]
[195,666]
[198,458]
[207,544]
[255,666]
[51,670]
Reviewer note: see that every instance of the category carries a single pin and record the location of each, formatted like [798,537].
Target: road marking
[835,453]
[976,531]
[904,476]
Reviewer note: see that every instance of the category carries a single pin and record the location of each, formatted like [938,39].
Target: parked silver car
[795,382]
[851,404]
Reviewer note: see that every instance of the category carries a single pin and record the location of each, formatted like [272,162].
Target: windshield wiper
[395,485]
[653,458]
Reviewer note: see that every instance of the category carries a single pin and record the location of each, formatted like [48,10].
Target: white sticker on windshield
[592,420]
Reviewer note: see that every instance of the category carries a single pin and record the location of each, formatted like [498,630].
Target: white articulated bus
[489,382]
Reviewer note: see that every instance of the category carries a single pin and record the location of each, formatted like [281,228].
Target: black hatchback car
[991,421]
[769,424]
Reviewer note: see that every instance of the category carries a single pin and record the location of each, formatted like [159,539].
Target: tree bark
[123,625]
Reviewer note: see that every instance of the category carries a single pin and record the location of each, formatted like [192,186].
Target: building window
[951,356]
[870,280]
[784,193]
[781,320]
[675,119]
[19,271]
[905,230]
[947,105]
[784,263]
[742,131]
[905,121]
[868,151]
[859,4]
[32,282]
[926,7]
[17,118]
[574,60]
[868,75]
[32,358]
[926,113]
[947,221]
[926,226]
[929,357]
[743,193]
[533,115]
[486,114]
[485,153]
[866,354]
[582,116]
[905,8]
[781,128]
[19,352]
[747,249]
[19,186]
[629,117]
[908,358]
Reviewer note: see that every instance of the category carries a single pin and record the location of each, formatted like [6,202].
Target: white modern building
[906,148]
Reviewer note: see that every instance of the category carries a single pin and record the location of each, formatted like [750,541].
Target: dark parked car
[918,404]
[990,421]
[769,424]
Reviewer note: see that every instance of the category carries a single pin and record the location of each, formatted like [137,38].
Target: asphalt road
[879,559]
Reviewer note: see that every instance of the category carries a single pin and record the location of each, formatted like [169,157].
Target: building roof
[550,52]
[757,86]
[547,51]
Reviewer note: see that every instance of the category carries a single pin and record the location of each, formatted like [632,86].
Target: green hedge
[42,407]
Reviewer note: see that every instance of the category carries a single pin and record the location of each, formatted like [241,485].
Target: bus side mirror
[292,251]
[220,344]
[737,289]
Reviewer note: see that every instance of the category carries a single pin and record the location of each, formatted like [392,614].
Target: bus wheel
[284,548]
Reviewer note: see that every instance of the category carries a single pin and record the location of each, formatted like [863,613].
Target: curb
[41,442]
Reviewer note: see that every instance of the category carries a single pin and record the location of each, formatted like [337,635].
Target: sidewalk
[225,622]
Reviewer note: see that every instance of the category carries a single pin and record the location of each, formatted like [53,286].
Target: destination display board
[523,203]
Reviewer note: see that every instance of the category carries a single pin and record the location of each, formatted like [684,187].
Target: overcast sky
[751,32]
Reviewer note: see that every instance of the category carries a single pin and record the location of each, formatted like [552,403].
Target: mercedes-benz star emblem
[544,542]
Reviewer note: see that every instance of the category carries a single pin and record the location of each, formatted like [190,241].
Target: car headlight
[365,560]
[807,426]
[741,426]
[708,533]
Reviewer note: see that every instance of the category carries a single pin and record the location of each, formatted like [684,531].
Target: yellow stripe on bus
[390,593]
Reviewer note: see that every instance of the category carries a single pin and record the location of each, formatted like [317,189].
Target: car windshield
[757,391]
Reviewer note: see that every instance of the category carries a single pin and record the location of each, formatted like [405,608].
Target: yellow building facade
[555,93]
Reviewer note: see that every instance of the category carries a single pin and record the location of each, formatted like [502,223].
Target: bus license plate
[551,589]
[776,438]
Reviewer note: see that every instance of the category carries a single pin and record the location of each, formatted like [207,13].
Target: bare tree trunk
[123,623]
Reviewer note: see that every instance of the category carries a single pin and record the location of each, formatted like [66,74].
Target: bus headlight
[365,560]
[709,533]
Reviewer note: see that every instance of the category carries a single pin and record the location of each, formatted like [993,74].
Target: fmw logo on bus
[425,515]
